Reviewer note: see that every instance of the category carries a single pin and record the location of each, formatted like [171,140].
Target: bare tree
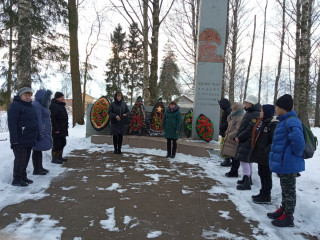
[250,61]
[317,110]
[77,108]
[24,44]
[276,84]
[262,51]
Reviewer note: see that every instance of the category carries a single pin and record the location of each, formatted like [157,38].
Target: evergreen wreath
[137,116]
[99,116]
[187,123]
[204,128]
[156,118]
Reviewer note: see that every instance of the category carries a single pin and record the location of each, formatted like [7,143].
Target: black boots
[60,152]
[246,185]
[117,143]
[55,158]
[242,181]
[172,153]
[231,174]
[226,163]
[19,183]
[37,163]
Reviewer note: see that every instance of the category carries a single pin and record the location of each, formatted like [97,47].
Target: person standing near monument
[118,112]
[230,145]
[243,138]
[286,159]
[23,129]
[44,141]
[226,110]
[171,125]
[60,125]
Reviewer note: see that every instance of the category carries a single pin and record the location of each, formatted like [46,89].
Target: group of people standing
[36,126]
[252,134]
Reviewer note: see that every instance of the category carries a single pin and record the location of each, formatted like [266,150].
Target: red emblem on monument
[209,39]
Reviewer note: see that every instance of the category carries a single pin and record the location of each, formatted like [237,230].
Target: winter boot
[262,199]
[27,180]
[55,159]
[276,214]
[231,174]
[42,168]
[19,183]
[257,196]
[115,144]
[37,163]
[120,137]
[285,220]
[226,163]
[246,185]
[241,181]
[60,152]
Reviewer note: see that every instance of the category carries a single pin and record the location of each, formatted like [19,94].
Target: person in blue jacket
[44,142]
[23,130]
[285,159]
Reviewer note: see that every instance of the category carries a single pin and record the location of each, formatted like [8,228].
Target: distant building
[88,99]
[184,101]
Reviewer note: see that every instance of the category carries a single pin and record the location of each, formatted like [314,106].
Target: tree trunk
[223,85]
[234,50]
[297,58]
[250,61]
[145,31]
[276,84]
[154,52]
[304,67]
[77,108]
[24,44]
[317,113]
[262,54]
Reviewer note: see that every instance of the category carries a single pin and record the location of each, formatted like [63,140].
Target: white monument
[210,57]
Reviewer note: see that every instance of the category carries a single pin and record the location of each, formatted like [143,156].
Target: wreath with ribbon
[137,116]
[99,116]
[204,128]
[187,122]
[156,118]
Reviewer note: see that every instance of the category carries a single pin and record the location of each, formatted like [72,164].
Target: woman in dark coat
[118,113]
[171,125]
[23,129]
[243,137]
[261,145]
[44,142]
[60,125]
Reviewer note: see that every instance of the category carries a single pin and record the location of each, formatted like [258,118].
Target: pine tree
[169,75]
[116,64]
[134,71]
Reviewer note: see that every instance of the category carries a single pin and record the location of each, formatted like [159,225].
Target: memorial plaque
[209,69]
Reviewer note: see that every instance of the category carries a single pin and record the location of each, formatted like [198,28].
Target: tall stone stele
[210,57]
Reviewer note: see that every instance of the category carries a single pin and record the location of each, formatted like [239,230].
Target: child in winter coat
[226,110]
[171,125]
[286,159]
[261,144]
[243,138]
[230,145]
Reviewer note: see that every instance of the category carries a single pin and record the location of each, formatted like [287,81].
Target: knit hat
[285,102]
[251,99]
[268,111]
[24,90]
[58,95]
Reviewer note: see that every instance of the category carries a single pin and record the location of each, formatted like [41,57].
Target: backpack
[310,140]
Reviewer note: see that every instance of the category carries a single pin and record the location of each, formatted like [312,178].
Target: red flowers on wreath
[137,116]
[204,128]
[99,113]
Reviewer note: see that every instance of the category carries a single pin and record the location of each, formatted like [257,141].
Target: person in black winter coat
[261,145]
[60,125]
[23,129]
[118,112]
[226,110]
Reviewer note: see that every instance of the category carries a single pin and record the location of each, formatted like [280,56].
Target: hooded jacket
[118,108]
[22,123]
[171,123]
[225,106]
[287,145]
[59,118]
[41,104]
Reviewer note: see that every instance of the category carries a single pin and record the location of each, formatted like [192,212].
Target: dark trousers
[117,142]
[265,179]
[21,160]
[171,150]
[235,164]
[288,189]
[37,160]
[58,143]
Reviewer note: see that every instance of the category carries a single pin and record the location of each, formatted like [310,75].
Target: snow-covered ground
[307,215]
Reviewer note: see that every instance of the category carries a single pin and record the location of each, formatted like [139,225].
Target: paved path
[134,196]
